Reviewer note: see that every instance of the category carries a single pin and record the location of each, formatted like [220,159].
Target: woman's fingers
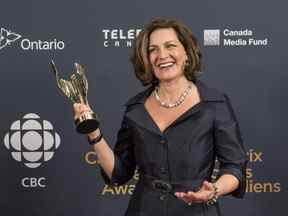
[79,109]
[207,185]
[197,197]
[200,196]
[182,196]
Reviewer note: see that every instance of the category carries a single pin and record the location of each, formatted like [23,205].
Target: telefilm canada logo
[7,38]
[119,37]
[31,140]
[233,38]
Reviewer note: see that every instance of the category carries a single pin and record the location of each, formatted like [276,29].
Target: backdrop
[48,169]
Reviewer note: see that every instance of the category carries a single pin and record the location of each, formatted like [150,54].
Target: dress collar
[206,94]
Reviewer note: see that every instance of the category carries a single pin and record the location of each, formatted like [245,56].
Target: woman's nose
[163,53]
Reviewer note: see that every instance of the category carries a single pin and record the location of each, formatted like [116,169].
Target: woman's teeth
[164,65]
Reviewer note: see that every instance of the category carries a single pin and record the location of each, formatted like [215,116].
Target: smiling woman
[182,36]
[173,131]
[166,54]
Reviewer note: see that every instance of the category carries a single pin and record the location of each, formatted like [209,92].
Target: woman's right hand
[104,153]
[80,109]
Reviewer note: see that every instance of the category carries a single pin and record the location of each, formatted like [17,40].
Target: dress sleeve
[229,146]
[125,164]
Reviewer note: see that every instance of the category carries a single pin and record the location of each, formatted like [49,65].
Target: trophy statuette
[76,89]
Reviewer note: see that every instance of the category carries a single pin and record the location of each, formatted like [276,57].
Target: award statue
[76,90]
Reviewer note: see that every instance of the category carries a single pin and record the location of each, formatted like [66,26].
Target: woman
[173,131]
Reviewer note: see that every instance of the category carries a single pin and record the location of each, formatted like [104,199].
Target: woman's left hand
[206,192]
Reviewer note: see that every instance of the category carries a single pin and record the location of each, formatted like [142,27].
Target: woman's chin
[166,76]
[167,79]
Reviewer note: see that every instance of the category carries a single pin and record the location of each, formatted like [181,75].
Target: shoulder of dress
[139,98]
[210,94]
[216,95]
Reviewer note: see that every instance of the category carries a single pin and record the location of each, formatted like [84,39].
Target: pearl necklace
[181,99]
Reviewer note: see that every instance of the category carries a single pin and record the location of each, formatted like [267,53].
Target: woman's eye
[151,50]
[171,45]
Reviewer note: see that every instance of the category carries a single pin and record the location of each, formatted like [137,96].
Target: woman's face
[167,55]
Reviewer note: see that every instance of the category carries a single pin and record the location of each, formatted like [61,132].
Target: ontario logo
[32,141]
[7,37]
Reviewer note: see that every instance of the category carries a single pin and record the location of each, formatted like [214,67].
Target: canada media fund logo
[233,38]
[32,142]
[8,37]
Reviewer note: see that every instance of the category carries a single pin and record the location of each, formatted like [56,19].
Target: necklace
[180,100]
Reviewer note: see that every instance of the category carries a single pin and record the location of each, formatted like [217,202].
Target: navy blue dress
[183,155]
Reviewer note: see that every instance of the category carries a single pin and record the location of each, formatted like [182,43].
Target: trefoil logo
[7,37]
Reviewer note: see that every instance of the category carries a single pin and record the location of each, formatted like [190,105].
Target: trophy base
[87,123]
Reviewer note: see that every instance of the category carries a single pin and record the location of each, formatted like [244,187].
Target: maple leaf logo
[7,37]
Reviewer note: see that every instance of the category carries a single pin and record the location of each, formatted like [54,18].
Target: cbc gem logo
[31,140]
[212,37]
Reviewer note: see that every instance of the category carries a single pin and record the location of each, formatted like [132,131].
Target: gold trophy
[76,90]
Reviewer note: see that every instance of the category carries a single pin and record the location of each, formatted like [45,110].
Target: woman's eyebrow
[154,45]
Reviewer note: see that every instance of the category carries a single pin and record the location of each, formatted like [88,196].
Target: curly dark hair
[140,54]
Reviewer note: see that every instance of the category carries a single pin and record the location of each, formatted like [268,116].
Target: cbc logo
[32,140]
[33,182]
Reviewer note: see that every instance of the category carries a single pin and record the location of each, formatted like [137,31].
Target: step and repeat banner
[48,169]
